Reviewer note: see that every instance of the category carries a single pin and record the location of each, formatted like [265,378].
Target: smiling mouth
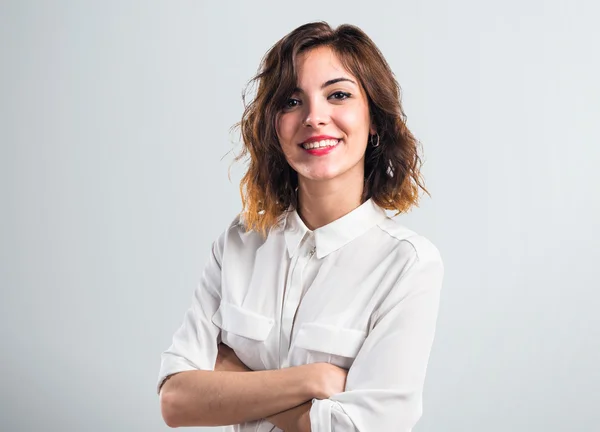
[320,144]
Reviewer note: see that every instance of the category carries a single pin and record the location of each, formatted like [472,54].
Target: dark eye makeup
[338,95]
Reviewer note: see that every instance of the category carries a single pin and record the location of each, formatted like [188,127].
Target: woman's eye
[291,103]
[340,95]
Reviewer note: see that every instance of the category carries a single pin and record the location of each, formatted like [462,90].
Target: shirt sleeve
[384,386]
[195,343]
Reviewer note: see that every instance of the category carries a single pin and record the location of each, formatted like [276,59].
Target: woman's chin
[318,176]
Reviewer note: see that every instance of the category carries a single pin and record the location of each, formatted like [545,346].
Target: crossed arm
[292,420]
[225,396]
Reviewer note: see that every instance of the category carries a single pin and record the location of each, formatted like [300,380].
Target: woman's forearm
[217,398]
[288,420]
[291,420]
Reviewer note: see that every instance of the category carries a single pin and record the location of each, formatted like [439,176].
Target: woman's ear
[372,126]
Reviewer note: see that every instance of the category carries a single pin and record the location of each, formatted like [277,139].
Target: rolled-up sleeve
[195,343]
[384,386]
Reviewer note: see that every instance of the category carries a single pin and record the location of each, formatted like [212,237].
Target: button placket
[292,296]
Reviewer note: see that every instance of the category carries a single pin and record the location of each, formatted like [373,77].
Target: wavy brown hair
[392,169]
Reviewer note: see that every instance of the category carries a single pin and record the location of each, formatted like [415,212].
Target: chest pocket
[244,331]
[330,344]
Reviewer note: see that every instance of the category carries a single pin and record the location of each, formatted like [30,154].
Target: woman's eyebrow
[327,83]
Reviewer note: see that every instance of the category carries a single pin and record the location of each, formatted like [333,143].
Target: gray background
[114,131]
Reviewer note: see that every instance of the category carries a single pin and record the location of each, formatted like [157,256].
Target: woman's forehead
[318,65]
[321,57]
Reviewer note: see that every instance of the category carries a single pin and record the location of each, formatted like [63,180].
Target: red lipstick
[318,138]
[320,151]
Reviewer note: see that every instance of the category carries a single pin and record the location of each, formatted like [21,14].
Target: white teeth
[318,144]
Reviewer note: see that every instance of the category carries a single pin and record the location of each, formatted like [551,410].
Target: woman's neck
[320,203]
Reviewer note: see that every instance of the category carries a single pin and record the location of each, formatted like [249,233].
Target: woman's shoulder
[235,228]
[239,227]
[409,240]
[238,233]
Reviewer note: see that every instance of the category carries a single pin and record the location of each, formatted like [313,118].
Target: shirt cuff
[320,415]
[171,365]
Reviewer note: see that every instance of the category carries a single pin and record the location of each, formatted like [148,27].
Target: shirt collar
[336,234]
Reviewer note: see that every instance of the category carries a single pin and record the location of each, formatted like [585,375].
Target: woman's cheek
[350,119]
[285,131]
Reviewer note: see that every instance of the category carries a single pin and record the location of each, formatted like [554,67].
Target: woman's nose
[317,114]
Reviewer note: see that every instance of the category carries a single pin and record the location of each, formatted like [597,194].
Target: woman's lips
[321,151]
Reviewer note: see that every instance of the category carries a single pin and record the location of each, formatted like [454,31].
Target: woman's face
[324,127]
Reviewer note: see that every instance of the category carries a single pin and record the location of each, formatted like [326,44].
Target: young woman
[316,311]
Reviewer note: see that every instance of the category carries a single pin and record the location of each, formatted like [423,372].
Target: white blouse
[361,293]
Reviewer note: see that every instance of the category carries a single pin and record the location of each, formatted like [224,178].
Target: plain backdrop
[115,140]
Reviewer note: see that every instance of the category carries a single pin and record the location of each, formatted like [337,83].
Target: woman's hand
[329,380]
[326,380]
[228,361]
